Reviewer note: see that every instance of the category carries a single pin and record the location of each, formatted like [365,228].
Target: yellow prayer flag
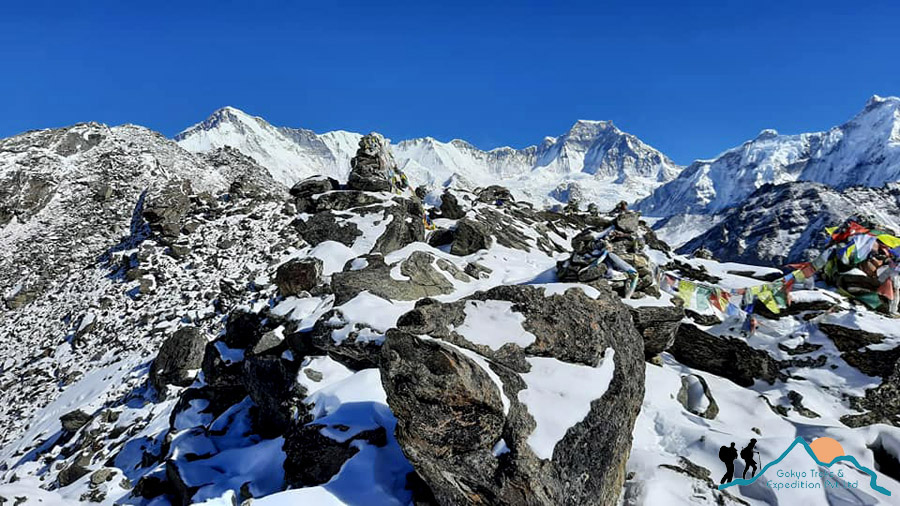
[889,240]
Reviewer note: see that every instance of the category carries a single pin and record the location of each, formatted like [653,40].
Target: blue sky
[692,80]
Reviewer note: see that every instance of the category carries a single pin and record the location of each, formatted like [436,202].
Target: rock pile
[613,251]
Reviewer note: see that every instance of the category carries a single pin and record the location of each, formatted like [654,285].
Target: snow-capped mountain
[786,223]
[290,154]
[604,164]
[862,151]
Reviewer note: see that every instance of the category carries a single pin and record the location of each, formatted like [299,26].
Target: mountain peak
[593,126]
[766,134]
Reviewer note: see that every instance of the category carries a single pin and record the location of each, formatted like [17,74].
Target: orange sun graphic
[826,449]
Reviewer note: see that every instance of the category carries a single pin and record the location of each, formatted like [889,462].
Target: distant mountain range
[594,161]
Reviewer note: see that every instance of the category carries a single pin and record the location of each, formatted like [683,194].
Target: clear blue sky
[690,80]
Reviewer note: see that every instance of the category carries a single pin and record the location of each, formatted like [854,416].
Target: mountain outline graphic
[843,458]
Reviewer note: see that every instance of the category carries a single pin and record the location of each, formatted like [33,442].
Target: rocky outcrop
[658,325]
[462,395]
[853,343]
[298,275]
[882,403]
[724,356]
[422,275]
[178,360]
[450,207]
[166,209]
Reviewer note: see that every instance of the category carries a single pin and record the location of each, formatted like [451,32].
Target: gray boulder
[298,275]
[450,207]
[727,357]
[495,194]
[422,269]
[450,396]
[313,185]
[74,420]
[180,353]
[658,325]
[469,237]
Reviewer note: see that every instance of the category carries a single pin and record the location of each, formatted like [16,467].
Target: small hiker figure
[728,454]
[747,455]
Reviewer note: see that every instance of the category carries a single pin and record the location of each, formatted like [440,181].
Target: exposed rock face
[883,402]
[658,325]
[444,384]
[727,357]
[450,207]
[299,275]
[180,356]
[852,344]
[470,237]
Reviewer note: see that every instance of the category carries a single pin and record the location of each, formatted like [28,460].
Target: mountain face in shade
[786,223]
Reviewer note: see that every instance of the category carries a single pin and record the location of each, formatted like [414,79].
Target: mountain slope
[604,163]
[785,223]
[290,154]
[865,150]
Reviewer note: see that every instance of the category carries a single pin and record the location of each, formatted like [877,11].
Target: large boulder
[517,395]
[272,384]
[450,207]
[658,325]
[179,357]
[298,275]
[424,276]
[470,236]
[313,185]
[727,357]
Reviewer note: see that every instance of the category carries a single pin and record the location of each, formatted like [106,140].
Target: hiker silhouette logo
[825,453]
[728,454]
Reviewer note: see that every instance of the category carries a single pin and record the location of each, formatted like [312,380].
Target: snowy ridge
[604,164]
[289,154]
[862,151]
